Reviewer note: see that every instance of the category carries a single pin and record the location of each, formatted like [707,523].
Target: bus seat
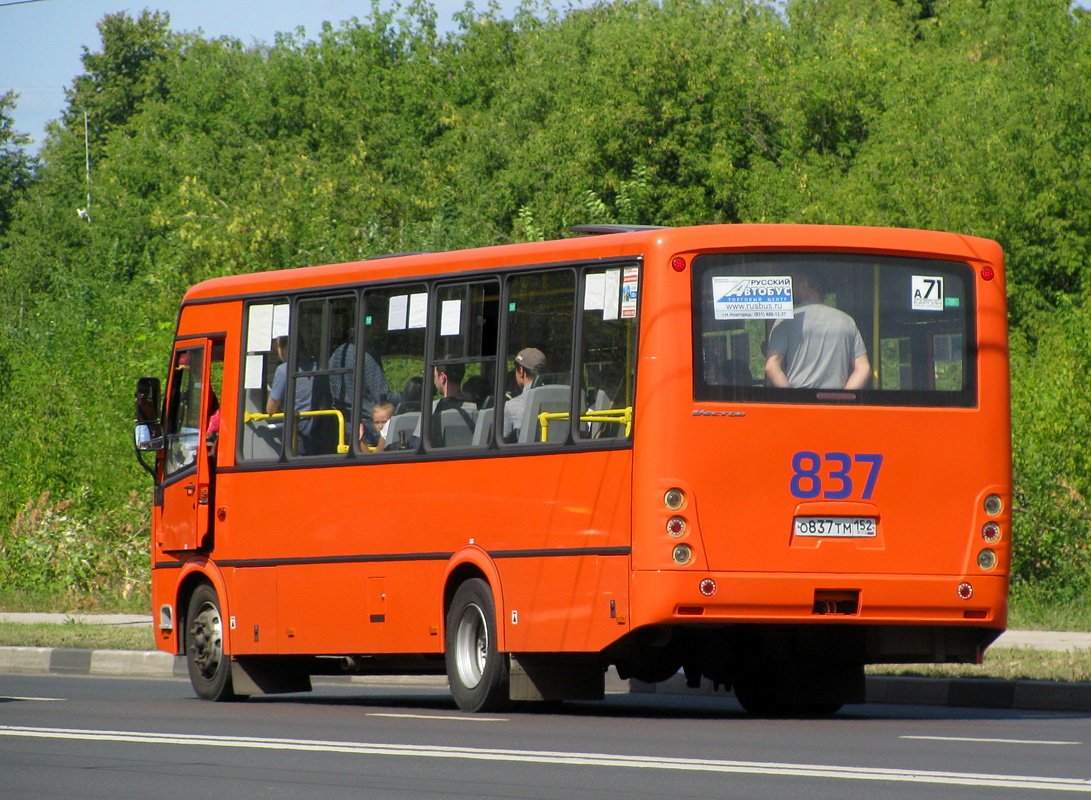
[542,399]
[393,429]
[483,428]
[456,427]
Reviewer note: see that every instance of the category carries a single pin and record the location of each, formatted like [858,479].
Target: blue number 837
[807,478]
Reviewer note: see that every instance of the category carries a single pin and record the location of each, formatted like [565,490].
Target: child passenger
[380,415]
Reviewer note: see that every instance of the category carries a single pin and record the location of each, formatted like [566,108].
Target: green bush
[1050,362]
[57,548]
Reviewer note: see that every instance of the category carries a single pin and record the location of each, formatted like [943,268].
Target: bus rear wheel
[477,672]
[209,666]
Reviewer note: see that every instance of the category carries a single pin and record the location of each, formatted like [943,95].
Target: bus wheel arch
[473,562]
[478,670]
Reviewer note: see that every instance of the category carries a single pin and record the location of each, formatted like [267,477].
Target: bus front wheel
[209,666]
[477,672]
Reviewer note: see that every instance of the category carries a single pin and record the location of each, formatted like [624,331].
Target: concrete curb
[72,661]
[953,692]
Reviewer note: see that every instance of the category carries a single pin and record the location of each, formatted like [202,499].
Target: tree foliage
[209,157]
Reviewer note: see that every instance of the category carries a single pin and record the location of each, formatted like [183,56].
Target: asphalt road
[90,737]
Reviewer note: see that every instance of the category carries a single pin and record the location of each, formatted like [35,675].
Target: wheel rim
[471,646]
[206,642]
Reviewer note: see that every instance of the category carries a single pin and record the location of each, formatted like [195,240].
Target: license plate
[836,527]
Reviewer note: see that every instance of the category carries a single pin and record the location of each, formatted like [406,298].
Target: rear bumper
[897,618]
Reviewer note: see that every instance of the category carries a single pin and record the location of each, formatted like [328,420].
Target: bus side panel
[253,622]
[359,608]
[574,604]
[360,550]
[557,603]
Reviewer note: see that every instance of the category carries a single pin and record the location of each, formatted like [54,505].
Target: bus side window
[608,352]
[261,435]
[464,345]
[394,337]
[540,326]
[318,426]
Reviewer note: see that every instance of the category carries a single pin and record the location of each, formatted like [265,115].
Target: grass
[139,602]
[1021,663]
[76,634]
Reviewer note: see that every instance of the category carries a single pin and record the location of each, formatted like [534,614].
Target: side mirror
[149,437]
[149,430]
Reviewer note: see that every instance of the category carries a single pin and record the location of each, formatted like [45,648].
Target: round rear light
[990,532]
[986,559]
[676,526]
[708,587]
[678,264]
[965,591]
[682,554]
[674,499]
[993,505]
[987,273]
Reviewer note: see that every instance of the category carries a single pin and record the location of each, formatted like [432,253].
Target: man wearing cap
[528,368]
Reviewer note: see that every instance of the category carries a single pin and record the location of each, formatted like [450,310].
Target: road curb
[898,690]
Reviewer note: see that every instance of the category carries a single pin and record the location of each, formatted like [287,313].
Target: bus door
[187,473]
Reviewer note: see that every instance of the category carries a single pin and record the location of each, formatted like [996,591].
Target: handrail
[341,446]
[604,415]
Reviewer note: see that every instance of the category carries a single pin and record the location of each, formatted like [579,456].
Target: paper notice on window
[756,297]
[594,293]
[927,293]
[629,290]
[252,379]
[281,315]
[418,310]
[259,329]
[450,322]
[612,294]
[398,311]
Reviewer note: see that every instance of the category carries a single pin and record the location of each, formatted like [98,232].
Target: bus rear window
[833,328]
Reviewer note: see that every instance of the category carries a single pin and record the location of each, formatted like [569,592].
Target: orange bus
[766,455]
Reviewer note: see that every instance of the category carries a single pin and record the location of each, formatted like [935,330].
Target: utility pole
[85,213]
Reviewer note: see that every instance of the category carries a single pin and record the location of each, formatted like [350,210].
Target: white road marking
[466,718]
[566,759]
[988,741]
[41,699]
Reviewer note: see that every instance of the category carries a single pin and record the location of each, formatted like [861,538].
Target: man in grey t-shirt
[820,348]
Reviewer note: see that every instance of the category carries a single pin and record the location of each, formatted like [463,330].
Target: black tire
[209,665]
[477,673]
[755,692]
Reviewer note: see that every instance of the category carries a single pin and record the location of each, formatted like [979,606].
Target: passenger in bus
[411,395]
[306,428]
[447,378]
[380,415]
[529,363]
[374,390]
[476,388]
[820,347]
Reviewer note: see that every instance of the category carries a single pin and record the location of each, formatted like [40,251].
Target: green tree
[16,167]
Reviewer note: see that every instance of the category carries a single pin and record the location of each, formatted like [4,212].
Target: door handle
[190,490]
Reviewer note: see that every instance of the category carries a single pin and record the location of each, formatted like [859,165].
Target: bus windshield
[833,328]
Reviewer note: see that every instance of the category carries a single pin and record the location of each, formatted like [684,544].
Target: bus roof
[607,244]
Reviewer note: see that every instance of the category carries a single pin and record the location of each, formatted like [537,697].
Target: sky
[41,41]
